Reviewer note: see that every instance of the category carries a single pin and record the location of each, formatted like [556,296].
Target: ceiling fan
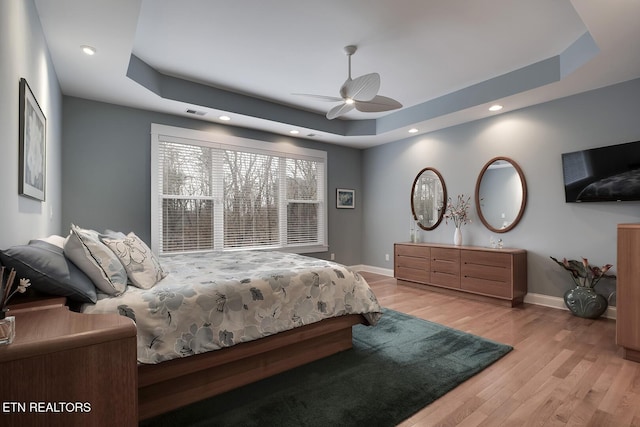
[360,93]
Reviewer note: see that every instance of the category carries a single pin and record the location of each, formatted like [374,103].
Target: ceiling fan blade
[360,93]
[377,104]
[362,88]
[320,97]
[339,110]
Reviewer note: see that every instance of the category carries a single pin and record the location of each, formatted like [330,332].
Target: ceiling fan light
[88,50]
[349,101]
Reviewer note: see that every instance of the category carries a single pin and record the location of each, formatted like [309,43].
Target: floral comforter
[215,300]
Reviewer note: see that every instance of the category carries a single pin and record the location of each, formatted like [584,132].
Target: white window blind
[218,192]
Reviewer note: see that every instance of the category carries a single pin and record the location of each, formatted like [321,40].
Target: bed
[205,323]
[221,320]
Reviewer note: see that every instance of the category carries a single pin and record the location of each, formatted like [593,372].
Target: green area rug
[394,369]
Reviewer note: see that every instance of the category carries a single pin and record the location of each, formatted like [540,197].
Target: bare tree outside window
[214,198]
[302,196]
[188,205]
[250,199]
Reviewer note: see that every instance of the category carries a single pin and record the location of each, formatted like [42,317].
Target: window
[220,192]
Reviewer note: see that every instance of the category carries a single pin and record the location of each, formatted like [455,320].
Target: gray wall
[98,167]
[24,54]
[106,172]
[535,138]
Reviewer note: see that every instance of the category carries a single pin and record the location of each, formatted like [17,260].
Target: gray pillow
[49,270]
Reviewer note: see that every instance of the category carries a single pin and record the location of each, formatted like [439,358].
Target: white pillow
[142,265]
[54,239]
[85,249]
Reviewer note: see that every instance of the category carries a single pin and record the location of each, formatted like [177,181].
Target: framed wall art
[33,145]
[345,198]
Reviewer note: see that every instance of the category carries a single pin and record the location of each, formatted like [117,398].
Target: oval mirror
[428,196]
[501,194]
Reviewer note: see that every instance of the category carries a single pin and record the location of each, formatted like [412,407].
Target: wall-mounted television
[603,174]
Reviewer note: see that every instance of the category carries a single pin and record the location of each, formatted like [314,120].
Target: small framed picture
[32,141]
[345,198]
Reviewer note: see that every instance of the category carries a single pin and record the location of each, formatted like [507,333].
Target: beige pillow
[85,249]
[142,265]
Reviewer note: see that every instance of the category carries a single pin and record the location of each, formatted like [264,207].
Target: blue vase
[585,302]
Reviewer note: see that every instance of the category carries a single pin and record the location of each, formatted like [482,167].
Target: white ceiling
[445,61]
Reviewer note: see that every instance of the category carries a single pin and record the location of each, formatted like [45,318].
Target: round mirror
[428,196]
[501,194]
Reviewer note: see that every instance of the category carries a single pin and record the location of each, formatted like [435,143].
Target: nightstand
[36,302]
[68,369]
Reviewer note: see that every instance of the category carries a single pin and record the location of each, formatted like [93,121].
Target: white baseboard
[530,298]
[558,302]
[372,269]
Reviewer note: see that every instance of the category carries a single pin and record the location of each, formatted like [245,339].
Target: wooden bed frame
[169,385]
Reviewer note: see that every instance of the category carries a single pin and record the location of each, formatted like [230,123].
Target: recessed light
[294,132]
[225,118]
[89,50]
[495,107]
[413,130]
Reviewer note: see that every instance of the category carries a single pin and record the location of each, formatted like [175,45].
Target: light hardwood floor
[563,371]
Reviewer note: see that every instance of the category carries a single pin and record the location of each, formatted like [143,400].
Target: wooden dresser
[483,273]
[628,291]
[68,369]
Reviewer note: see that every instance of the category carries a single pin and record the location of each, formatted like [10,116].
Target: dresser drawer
[482,284]
[412,274]
[445,267]
[445,260]
[412,263]
[487,273]
[486,258]
[412,257]
[412,251]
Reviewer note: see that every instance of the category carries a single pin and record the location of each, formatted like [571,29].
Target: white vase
[457,237]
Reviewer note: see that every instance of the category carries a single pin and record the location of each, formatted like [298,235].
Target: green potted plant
[582,300]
